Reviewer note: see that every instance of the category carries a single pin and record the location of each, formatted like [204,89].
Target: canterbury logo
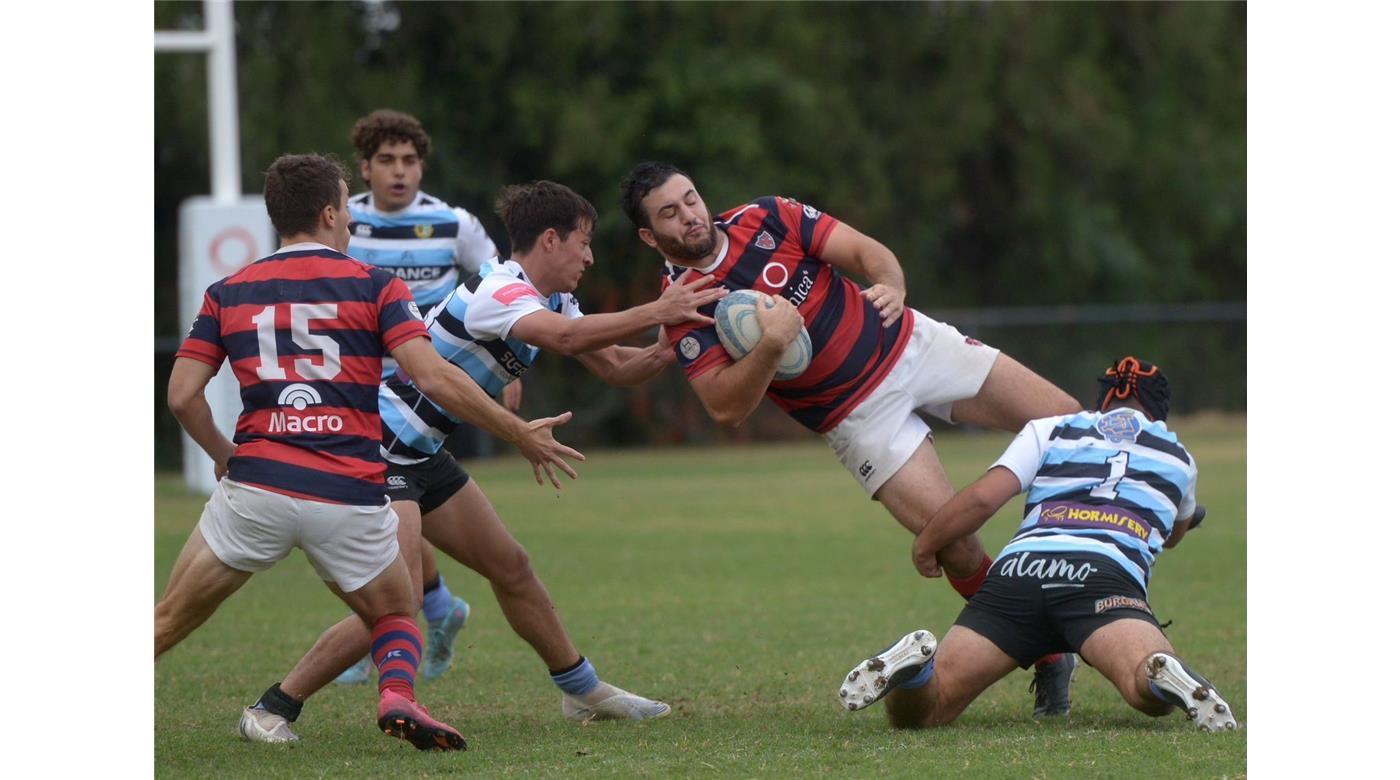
[298,396]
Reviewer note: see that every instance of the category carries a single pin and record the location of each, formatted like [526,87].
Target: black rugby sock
[278,703]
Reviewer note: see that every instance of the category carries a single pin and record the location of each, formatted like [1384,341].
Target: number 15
[307,367]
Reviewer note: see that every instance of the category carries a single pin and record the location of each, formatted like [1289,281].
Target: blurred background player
[492,328]
[1108,490]
[873,362]
[304,468]
[431,246]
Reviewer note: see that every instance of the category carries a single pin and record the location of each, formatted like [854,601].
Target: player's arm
[854,252]
[626,366]
[185,396]
[1190,514]
[1182,526]
[574,336]
[730,393]
[450,388]
[963,515]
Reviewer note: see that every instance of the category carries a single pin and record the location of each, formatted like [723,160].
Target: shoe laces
[439,646]
[1043,681]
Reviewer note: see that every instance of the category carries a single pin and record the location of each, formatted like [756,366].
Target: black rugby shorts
[429,484]
[1035,604]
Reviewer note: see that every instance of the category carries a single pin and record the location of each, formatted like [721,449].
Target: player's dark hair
[297,187]
[644,178]
[1133,378]
[375,128]
[530,209]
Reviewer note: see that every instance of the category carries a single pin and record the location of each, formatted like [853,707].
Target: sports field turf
[738,584]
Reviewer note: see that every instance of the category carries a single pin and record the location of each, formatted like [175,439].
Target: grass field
[738,584]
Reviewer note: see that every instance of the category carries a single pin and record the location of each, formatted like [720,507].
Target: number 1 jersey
[1113,483]
[305,331]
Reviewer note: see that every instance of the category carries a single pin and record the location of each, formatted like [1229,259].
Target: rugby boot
[408,720]
[609,702]
[873,678]
[1051,686]
[437,656]
[359,673]
[259,725]
[1191,692]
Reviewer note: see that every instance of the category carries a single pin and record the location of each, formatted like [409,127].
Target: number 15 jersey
[305,331]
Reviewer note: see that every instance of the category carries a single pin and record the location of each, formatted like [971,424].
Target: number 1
[1118,466]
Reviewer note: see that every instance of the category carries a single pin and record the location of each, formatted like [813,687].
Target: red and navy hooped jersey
[305,331]
[773,245]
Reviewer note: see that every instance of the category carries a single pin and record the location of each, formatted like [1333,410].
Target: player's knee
[513,570]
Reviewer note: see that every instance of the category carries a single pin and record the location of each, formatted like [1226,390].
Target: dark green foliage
[1009,153]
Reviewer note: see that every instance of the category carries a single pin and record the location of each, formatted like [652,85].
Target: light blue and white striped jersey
[471,330]
[427,245]
[1113,483]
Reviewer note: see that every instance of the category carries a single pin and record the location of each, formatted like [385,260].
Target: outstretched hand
[544,453]
[680,301]
[888,300]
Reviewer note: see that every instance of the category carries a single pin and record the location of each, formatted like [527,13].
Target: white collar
[304,246]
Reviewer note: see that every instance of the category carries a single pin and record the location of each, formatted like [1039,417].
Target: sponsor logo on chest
[419,273]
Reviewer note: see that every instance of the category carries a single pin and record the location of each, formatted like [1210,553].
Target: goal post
[223,231]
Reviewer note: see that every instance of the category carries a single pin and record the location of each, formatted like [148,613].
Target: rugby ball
[736,323]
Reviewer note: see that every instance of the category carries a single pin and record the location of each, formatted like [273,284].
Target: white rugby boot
[1191,692]
[609,702]
[259,725]
[873,678]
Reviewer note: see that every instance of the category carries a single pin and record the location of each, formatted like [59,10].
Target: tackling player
[873,361]
[304,330]
[492,328]
[1108,490]
[430,245]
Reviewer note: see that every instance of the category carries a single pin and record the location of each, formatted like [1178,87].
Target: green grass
[738,584]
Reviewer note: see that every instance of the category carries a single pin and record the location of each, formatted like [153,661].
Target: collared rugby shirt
[1113,483]
[772,245]
[305,331]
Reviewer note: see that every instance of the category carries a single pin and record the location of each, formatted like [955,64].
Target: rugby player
[492,328]
[874,362]
[304,330]
[430,245]
[1108,490]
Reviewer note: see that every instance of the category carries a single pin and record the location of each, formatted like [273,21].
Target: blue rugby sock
[921,679]
[577,680]
[437,601]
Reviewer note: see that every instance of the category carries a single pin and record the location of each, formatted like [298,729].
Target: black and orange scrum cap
[1133,378]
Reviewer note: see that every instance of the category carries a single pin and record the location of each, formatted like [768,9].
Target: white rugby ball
[739,331]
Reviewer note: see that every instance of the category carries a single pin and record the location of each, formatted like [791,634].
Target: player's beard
[678,249]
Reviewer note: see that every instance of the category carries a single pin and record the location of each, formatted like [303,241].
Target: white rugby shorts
[250,529]
[938,367]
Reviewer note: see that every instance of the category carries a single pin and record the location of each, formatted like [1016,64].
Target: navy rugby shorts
[1035,604]
[428,484]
